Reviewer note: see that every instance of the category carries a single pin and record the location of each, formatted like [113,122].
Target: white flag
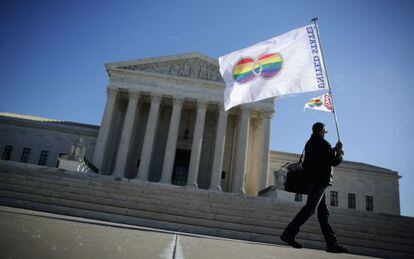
[287,64]
[320,103]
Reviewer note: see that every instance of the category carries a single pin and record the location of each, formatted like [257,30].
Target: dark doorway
[181,164]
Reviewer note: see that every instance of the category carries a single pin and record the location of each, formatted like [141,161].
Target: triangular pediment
[192,65]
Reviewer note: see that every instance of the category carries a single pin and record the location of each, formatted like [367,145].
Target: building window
[369,200]
[7,152]
[25,155]
[334,198]
[43,157]
[298,197]
[351,200]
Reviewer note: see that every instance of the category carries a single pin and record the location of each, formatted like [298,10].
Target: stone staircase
[196,211]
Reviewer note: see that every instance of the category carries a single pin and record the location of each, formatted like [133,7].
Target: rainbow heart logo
[315,103]
[266,66]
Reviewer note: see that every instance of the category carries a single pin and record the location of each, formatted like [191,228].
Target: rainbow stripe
[271,65]
[267,66]
[243,70]
[315,103]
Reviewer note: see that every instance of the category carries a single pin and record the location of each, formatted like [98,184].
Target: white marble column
[148,145]
[264,170]
[169,157]
[215,182]
[104,130]
[241,152]
[197,143]
[126,136]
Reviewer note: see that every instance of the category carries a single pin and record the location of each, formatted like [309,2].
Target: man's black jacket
[319,159]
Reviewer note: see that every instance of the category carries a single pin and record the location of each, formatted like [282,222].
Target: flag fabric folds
[320,103]
[287,64]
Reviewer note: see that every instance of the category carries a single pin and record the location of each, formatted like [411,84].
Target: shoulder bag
[296,181]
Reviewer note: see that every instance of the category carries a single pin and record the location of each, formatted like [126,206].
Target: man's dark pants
[316,200]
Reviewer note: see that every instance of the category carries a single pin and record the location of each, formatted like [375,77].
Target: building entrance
[181,165]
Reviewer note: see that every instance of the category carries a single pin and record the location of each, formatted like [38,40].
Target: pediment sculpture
[191,68]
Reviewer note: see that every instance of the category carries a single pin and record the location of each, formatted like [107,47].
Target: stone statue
[78,149]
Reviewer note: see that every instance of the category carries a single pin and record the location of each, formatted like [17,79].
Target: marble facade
[159,111]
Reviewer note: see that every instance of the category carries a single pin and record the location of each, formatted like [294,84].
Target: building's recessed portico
[165,117]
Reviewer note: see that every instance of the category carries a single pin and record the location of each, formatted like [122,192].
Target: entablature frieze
[140,77]
[148,85]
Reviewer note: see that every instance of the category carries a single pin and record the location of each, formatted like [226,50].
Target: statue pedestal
[73,164]
[279,184]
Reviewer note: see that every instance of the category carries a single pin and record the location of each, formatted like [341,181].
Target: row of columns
[148,143]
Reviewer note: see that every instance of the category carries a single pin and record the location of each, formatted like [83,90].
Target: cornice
[87,130]
[134,74]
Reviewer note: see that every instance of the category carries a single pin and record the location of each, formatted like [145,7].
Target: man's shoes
[336,249]
[290,241]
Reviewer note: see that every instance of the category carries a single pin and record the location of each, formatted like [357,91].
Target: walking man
[319,159]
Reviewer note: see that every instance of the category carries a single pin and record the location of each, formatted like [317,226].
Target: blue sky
[53,54]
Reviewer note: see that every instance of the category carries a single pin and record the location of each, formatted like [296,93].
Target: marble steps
[218,202]
[180,192]
[228,198]
[268,210]
[254,215]
[69,199]
[192,225]
[200,212]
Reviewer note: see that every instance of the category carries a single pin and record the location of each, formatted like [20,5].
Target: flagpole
[314,20]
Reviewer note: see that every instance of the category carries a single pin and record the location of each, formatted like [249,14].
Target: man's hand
[338,148]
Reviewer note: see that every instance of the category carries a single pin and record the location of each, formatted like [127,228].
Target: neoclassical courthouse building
[164,121]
